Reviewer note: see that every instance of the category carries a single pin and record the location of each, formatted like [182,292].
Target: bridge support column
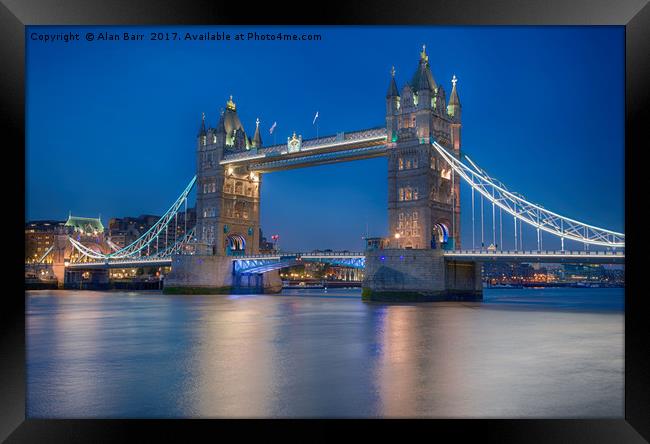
[59,274]
[257,283]
[199,274]
[408,275]
[96,279]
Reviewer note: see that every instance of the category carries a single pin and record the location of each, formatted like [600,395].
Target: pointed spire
[220,124]
[423,79]
[202,131]
[453,98]
[453,107]
[392,86]
[257,138]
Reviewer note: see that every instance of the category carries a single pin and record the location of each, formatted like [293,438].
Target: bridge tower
[227,202]
[423,192]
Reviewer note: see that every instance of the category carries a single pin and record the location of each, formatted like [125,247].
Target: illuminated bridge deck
[550,256]
[266,262]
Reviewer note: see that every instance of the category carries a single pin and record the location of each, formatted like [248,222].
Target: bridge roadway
[266,262]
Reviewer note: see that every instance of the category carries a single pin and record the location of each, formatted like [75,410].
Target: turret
[202,136]
[220,131]
[392,86]
[454,108]
[392,106]
[257,138]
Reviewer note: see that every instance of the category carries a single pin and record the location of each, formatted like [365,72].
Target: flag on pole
[272,127]
[315,117]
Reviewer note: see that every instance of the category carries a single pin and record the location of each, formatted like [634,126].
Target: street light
[397,236]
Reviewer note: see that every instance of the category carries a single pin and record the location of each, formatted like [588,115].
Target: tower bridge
[422,258]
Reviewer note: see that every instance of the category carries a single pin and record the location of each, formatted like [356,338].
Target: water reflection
[312,354]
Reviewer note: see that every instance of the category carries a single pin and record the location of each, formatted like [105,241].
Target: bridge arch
[440,233]
[235,245]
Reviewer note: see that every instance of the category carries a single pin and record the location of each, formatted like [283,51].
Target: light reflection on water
[305,353]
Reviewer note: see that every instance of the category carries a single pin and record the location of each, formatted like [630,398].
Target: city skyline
[556,97]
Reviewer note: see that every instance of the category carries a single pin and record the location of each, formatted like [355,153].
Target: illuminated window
[415,162]
[415,193]
[401,164]
[401,194]
[407,194]
[408,164]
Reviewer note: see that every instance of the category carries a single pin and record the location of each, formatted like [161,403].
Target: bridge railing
[538,252]
[293,254]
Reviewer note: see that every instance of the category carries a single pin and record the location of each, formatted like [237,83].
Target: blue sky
[111,126]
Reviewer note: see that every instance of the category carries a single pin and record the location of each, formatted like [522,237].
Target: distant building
[40,234]
[122,231]
[508,271]
[582,272]
[91,226]
[39,237]
[266,247]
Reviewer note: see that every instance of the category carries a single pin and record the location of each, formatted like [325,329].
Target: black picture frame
[633,14]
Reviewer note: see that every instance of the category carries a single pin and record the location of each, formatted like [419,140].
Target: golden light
[397,235]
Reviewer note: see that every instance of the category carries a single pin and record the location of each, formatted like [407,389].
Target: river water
[547,353]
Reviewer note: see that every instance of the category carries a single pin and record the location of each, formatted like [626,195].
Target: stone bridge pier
[208,274]
[409,275]
[96,279]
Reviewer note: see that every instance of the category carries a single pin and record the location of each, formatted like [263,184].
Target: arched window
[235,245]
